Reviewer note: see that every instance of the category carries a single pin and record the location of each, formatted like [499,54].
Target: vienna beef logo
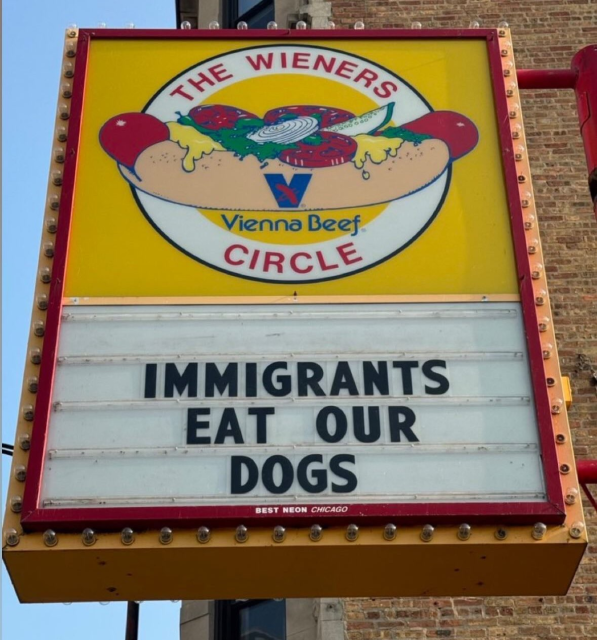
[295,193]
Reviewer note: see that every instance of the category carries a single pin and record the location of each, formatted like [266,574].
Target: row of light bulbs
[359,24]
[534,252]
[241,534]
[301,24]
[45,272]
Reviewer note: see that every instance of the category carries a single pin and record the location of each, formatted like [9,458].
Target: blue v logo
[288,195]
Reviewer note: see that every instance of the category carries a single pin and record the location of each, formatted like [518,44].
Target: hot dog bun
[221,180]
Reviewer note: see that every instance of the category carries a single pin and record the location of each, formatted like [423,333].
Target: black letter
[262,413]
[236,485]
[343,379]
[407,376]
[397,426]
[284,381]
[151,371]
[221,381]
[229,428]
[443,382]
[193,424]
[373,377]
[345,474]
[251,379]
[180,381]
[267,474]
[322,424]
[358,417]
[319,475]
[306,382]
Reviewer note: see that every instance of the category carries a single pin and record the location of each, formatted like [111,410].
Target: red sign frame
[550,511]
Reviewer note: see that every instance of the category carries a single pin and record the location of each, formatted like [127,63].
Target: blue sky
[32,41]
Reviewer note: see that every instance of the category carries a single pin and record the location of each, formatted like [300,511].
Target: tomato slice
[125,136]
[326,115]
[334,149]
[218,116]
[458,132]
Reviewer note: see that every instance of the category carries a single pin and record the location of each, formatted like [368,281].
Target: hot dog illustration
[305,157]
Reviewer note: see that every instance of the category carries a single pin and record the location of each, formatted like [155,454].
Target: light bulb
[88,537]
[352,532]
[166,536]
[316,533]
[389,532]
[427,533]
[242,533]
[279,534]
[12,537]
[203,535]
[576,530]
[50,538]
[127,536]
[20,473]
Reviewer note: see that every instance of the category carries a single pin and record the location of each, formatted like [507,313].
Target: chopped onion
[286,132]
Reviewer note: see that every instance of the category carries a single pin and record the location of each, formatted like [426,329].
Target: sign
[295,411]
[360,214]
[286,293]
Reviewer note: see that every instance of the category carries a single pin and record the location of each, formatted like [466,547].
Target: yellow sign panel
[210,168]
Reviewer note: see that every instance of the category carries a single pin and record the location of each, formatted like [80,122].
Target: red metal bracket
[582,77]
[587,474]
[546,78]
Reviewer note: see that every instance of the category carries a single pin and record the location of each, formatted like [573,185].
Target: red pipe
[587,471]
[584,64]
[546,78]
[587,474]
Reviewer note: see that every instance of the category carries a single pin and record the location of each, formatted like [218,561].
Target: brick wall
[545,33]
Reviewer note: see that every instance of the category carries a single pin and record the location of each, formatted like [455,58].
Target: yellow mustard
[377,148]
[196,144]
